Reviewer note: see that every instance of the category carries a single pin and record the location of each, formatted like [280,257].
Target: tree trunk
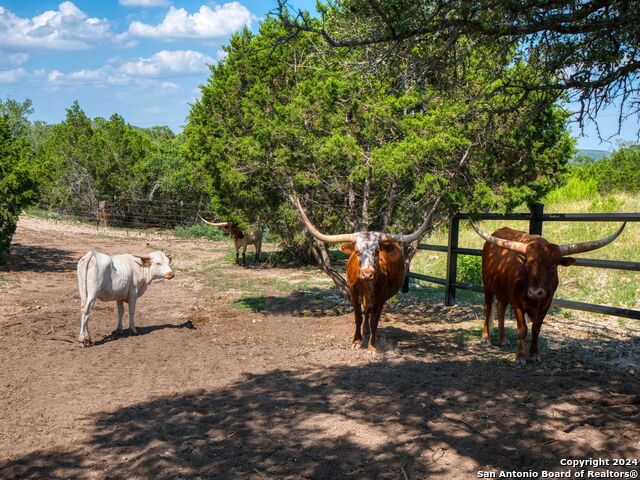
[319,251]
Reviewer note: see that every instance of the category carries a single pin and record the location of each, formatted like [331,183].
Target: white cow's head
[158,265]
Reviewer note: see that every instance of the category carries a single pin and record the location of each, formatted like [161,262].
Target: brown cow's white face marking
[366,245]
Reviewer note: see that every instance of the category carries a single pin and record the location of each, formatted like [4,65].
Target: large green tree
[364,151]
[589,48]
[17,186]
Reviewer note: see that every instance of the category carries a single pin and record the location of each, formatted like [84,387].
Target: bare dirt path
[246,373]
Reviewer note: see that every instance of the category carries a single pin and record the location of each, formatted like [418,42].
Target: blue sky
[143,59]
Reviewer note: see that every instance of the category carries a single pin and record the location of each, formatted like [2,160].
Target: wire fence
[134,213]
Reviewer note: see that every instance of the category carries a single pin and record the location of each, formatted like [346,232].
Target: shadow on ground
[433,416]
[113,336]
[32,258]
[308,302]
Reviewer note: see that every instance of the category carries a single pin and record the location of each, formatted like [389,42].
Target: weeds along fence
[134,213]
[536,218]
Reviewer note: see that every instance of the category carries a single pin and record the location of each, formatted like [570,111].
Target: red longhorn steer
[522,270]
[375,271]
[240,239]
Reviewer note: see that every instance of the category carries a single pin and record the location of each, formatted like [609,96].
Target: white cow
[123,278]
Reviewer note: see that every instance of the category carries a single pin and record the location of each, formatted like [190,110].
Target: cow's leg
[536,325]
[366,331]
[500,310]
[132,311]
[374,318]
[486,327]
[120,304]
[357,337]
[522,334]
[258,248]
[244,253]
[84,337]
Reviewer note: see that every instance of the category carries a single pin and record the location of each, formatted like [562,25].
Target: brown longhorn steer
[240,239]
[521,270]
[375,271]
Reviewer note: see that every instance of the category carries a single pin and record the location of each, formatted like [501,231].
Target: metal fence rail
[536,219]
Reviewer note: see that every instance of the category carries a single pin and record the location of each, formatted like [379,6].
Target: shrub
[200,230]
[620,171]
[17,187]
[469,269]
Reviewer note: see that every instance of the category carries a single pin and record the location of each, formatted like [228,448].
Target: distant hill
[592,154]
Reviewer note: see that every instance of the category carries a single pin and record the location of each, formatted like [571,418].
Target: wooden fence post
[452,261]
[405,285]
[535,223]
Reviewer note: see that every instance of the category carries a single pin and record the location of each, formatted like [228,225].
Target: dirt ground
[247,373]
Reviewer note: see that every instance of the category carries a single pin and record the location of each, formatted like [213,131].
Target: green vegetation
[200,230]
[363,152]
[17,184]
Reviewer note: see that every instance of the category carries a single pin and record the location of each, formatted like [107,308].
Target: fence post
[405,285]
[535,223]
[452,261]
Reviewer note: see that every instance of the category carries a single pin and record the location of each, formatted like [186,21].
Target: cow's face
[542,269]
[159,266]
[366,247]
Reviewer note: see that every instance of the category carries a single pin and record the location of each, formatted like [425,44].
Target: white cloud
[13,59]
[207,22]
[151,72]
[143,3]
[177,61]
[67,28]
[12,76]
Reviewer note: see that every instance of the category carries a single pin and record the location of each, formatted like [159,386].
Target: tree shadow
[308,302]
[380,420]
[34,258]
[113,336]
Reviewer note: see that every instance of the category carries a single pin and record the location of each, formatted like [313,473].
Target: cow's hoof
[486,340]
[505,343]
[356,345]
[133,331]
[117,331]
[86,341]
[520,360]
[372,350]
[535,359]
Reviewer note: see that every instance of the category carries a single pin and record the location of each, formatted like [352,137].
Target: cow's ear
[348,247]
[145,261]
[567,261]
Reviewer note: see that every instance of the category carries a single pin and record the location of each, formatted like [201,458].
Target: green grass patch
[200,230]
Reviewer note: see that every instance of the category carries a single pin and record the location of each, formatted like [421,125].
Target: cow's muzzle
[169,275]
[366,274]
[536,293]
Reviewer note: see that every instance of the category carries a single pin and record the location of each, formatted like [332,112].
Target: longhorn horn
[345,237]
[573,248]
[512,245]
[214,224]
[412,237]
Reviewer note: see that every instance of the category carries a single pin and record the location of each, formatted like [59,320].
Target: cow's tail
[83,266]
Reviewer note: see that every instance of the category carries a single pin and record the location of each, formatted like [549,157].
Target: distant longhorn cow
[522,270]
[240,239]
[375,271]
